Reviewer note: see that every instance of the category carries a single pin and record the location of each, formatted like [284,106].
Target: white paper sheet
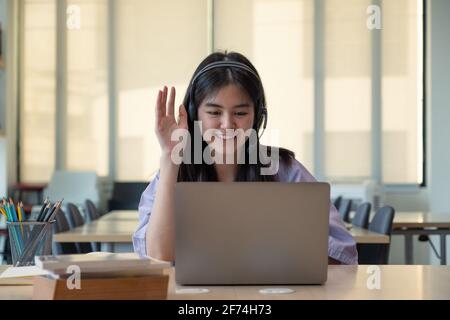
[21,272]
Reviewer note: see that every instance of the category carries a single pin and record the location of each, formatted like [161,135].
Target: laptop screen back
[251,233]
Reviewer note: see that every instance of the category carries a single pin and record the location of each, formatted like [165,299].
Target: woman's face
[228,110]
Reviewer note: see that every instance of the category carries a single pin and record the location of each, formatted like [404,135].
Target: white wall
[2,71]
[439,99]
[440,106]
[436,196]
[9,10]
[3,157]
[3,184]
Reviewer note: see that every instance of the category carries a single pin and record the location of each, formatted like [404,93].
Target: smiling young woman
[225,94]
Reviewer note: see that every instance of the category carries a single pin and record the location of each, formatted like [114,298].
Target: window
[84,73]
[287,39]
[37,116]
[277,36]
[87,91]
[347,90]
[402,91]
[159,43]
[346,99]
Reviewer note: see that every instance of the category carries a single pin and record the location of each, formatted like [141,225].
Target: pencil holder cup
[29,239]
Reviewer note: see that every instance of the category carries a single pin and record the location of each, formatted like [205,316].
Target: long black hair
[209,83]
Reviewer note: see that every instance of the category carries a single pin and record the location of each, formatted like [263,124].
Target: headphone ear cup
[262,119]
[265,119]
[191,112]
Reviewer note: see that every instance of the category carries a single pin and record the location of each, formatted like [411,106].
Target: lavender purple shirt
[341,245]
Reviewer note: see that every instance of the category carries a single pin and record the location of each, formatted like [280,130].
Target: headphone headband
[224,64]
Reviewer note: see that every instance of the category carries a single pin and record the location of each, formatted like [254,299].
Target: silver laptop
[251,233]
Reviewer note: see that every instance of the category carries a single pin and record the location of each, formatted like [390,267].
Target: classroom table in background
[121,215]
[364,236]
[415,282]
[119,226]
[109,232]
[409,224]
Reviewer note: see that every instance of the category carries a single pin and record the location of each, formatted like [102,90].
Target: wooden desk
[99,231]
[119,226]
[121,215]
[409,224]
[364,236]
[421,220]
[15,289]
[344,282]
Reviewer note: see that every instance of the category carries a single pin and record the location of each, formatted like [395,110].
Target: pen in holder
[29,239]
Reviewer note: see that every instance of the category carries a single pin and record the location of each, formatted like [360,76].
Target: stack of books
[100,276]
[100,265]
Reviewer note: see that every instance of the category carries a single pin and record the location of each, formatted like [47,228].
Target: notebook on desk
[251,233]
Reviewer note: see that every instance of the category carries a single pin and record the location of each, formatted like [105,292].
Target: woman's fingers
[171,106]
[158,109]
[182,110]
[164,102]
[182,117]
[165,106]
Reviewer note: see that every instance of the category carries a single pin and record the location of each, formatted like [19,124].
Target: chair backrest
[75,217]
[93,215]
[77,221]
[337,202]
[378,253]
[382,221]
[91,210]
[126,195]
[344,209]
[362,215]
[62,225]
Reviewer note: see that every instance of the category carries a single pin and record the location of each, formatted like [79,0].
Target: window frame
[319,129]
[376,107]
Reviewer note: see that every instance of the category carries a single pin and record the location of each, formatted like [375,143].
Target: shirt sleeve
[341,245]
[145,209]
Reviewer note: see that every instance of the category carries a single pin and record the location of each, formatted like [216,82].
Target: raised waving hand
[166,123]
